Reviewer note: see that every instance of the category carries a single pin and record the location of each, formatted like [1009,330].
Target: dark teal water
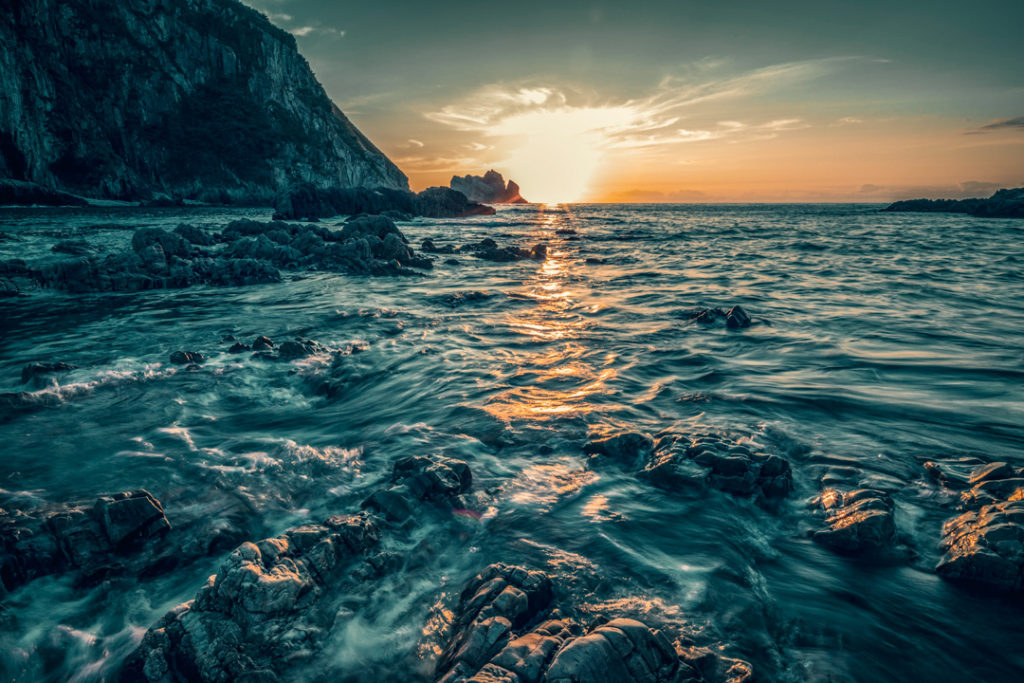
[880,341]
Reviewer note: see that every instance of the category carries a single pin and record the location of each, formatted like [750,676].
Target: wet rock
[461,298]
[268,608]
[304,201]
[299,348]
[539,252]
[172,244]
[73,247]
[186,357]
[195,235]
[727,465]
[35,371]
[510,625]
[594,261]
[985,547]
[416,479]
[736,318]
[858,521]
[488,250]
[94,538]
[429,247]
[630,448]
[262,343]
[239,347]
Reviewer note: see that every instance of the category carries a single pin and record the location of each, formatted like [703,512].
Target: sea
[878,342]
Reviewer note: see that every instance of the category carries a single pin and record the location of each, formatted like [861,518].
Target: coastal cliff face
[490,188]
[204,99]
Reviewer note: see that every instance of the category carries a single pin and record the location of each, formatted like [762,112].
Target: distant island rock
[1006,203]
[197,99]
[490,188]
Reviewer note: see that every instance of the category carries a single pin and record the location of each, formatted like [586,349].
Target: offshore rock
[490,188]
[268,607]
[1005,203]
[95,539]
[509,626]
[34,371]
[691,462]
[308,202]
[186,357]
[859,521]
[416,479]
[218,105]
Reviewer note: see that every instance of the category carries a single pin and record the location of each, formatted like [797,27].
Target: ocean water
[880,341]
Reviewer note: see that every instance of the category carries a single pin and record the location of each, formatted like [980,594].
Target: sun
[554,154]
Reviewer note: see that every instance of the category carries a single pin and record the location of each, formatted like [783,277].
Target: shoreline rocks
[307,202]
[856,522]
[94,538]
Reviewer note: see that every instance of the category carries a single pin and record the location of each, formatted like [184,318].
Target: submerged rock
[857,521]
[416,479]
[268,607]
[95,538]
[488,250]
[34,371]
[735,318]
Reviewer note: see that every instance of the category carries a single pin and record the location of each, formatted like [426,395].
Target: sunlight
[556,152]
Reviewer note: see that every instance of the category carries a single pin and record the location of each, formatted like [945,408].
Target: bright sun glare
[555,153]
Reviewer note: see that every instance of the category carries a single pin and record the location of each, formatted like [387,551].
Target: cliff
[489,188]
[1006,203]
[204,99]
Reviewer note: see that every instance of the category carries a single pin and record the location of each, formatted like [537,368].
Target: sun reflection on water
[562,376]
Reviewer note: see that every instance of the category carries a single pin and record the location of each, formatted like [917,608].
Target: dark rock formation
[490,188]
[677,462]
[245,253]
[510,626]
[1006,203]
[308,202]
[21,193]
[859,521]
[204,99]
[488,250]
[186,357]
[417,479]
[984,546]
[34,371]
[94,538]
[735,318]
[266,609]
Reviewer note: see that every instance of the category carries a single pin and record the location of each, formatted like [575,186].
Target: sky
[682,100]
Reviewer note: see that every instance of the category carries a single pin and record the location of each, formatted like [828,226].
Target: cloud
[846,121]
[308,30]
[1014,124]
[415,143]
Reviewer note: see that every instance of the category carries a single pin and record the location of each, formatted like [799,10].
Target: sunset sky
[684,100]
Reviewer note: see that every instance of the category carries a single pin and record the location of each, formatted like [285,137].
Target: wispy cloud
[1014,124]
[309,30]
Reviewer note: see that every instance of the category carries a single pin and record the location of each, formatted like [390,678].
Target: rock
[34,371]
[94,539]
[630,448]
[305,201]
[299,348]
[1005,203]
[488,189]
[489,250]
[539,252]
[737,318]
[727,465]
[185,357]
[509,625]
[985,547]
[416,479]
[859,521]
[171,243]
[18,192]
[268,608]
[219,106]
[73,247]
[195,235]
[262,343]
[239,347]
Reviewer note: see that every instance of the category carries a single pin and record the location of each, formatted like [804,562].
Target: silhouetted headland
[1006,203]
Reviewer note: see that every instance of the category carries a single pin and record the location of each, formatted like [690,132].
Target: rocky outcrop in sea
[309,202]
[1006,203]
[490,188]
[201,99]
